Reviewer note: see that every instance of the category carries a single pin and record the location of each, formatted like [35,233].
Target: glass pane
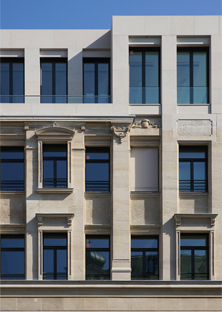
[89,79]
[137,264]
[4,82]
[192,152]
[61,268]
[46,83]
[200,95]
[152,95]
[144,242]
[51,239]
[152,69]
[12,176]
[18,82]
[135,95]
[103,79]
[199,176]
[12,264]
[60,82]
[54,150]
[183,77]
[48,264]
[48,169]
[200,264]
[186,264]
[199,69]
[193,240]
[97,265]
[61,173]
[97,242]
[11,241]
[185,176]
[152,265]
[12,153]
[97,153]
[135,61]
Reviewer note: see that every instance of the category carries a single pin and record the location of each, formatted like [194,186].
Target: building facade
[111,158]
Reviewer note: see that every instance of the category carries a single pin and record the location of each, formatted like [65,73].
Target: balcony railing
[70,99]
[193,185]
[144,95]
[55,183]
[97,186]
[12,185]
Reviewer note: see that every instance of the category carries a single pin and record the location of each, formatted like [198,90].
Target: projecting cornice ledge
[41,216]
[192,218]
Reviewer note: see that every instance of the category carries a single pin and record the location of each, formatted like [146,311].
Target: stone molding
[41,216]
[179,217]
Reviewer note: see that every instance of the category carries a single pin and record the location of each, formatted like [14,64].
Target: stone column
[169,158]
[121,269]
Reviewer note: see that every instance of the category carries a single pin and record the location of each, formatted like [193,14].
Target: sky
[93,14]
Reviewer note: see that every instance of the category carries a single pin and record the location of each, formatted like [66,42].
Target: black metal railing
[55,276]
[193,185]
[97,186]
[12,185]
[54,183]
[12,276]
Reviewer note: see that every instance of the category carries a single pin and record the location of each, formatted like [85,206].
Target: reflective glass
[200,69]
[135,60]
[152,69]
[60,82]
[18,82]
[136,264]
[97,265]
[4,82]
[152,264]
[12,241]
[191,240]
[12,152]
[54,150]
[48,262]
[145,242]
[46,83]
[186,264]
[89,82]
[103,79]
[51,239]
[97,242]
[61,264]
[201,264]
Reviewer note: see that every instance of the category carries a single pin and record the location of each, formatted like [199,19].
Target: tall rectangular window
[97,169]
[53,80]
[55,165]
[12,257]
[192,76]
[144,71]
[96,80]
[55,256]
[97,257]
[144,169]
[12,80]
[12,169]
[194,259]
[193,169]
[144,257]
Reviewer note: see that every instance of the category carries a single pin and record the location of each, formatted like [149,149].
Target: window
[55,256]
[192,76]
[55,165]
[12,169]
[97,257]
[144,67]
[12,80]
[97,169]
[12,257]
[144,169]
[194,256]
[144,257]
[193,169]
[53,80]
[96,80]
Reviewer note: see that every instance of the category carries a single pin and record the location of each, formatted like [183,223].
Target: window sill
[144,193]
[54,190]
[97,194]
[193,194]
[12,192]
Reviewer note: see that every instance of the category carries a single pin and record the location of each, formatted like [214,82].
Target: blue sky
[93,14]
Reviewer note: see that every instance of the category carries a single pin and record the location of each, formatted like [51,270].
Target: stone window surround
[54,134]
[205,223]
[45,226]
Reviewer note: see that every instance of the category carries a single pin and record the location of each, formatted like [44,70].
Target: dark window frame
[144,50]
[11,249]
[19,185]
[106,149]
[192,186]
[192,249]
[55,249]
[144,250]
[54,60]
[54,160]
[191,50]
[98,249]
[96,61]
[12,60]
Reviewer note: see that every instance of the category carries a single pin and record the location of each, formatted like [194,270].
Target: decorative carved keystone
[144,123]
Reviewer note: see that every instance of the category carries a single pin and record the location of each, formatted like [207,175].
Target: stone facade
[165,213]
